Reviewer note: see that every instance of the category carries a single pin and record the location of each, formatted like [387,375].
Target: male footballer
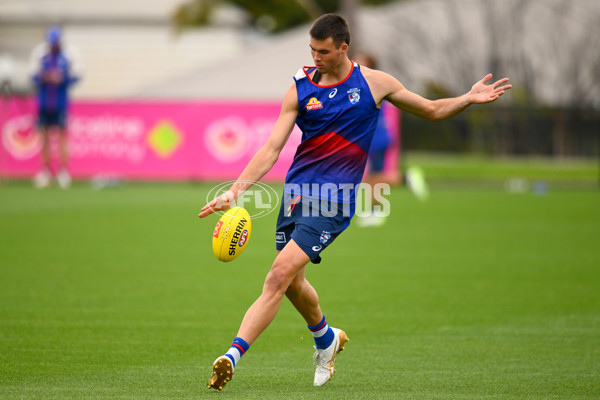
[335,104]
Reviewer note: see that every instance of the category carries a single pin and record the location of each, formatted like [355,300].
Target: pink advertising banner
[155,139]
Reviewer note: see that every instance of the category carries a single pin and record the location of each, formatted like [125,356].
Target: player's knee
[275,284]
[278,279]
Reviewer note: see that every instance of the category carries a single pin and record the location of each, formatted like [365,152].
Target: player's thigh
[300,275]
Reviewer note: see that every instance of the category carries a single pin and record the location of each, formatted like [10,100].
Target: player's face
[326,55]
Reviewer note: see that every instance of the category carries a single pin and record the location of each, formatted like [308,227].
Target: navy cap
[53,35]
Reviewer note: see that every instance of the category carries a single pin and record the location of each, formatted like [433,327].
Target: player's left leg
[305,298]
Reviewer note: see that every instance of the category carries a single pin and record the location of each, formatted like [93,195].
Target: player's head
[331,26]
[329,40]
[53,37]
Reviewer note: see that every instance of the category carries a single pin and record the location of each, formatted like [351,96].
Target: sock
[238,348]
[322,333]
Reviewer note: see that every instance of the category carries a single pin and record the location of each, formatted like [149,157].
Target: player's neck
[337,74]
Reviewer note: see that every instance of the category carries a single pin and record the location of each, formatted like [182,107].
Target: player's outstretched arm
[438,110]
[263,160]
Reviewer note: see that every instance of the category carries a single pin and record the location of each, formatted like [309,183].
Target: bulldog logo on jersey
[313,104]
[354,95]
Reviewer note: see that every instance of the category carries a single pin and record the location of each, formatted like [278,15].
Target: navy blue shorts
[51,118]
[304,222]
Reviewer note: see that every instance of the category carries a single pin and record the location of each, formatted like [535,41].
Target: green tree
[266,15]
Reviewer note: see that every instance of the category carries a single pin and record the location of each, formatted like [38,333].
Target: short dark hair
[331,26]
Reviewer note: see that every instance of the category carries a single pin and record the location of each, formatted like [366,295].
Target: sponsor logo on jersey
[333,93]
[354,95]
[313,104]
[317,248]
[325,236]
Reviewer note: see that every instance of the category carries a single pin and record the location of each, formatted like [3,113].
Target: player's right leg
[260,314]
[44,176]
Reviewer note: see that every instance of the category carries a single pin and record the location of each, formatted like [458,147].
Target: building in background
[126,45]
[549,48]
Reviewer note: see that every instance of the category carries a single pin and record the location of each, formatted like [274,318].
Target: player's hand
[219,203]
[53,76]
[482,93]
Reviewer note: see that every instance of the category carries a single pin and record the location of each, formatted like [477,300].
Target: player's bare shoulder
[380,83]
[290,100]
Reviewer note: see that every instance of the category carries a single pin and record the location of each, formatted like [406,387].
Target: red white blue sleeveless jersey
[337,123]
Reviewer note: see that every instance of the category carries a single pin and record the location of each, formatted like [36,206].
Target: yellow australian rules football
[231,234]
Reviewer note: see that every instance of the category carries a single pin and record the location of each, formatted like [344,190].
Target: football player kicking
[335,104]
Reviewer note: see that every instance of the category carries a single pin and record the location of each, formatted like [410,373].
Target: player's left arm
[436,110]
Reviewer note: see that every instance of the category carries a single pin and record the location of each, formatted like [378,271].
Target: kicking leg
[260,314]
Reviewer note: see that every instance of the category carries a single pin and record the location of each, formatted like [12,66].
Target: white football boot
[64,179]
[325,358]
[222,373]
[42,179]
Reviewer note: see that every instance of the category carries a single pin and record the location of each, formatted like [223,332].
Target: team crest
[325,236]
[354,95]
[313,104]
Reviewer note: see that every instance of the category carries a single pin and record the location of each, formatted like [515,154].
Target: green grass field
[451,171]
[475,294]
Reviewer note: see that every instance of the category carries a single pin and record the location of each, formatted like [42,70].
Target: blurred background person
[377,154]
[54,69]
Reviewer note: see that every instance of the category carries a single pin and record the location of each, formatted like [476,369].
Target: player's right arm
[264,159]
